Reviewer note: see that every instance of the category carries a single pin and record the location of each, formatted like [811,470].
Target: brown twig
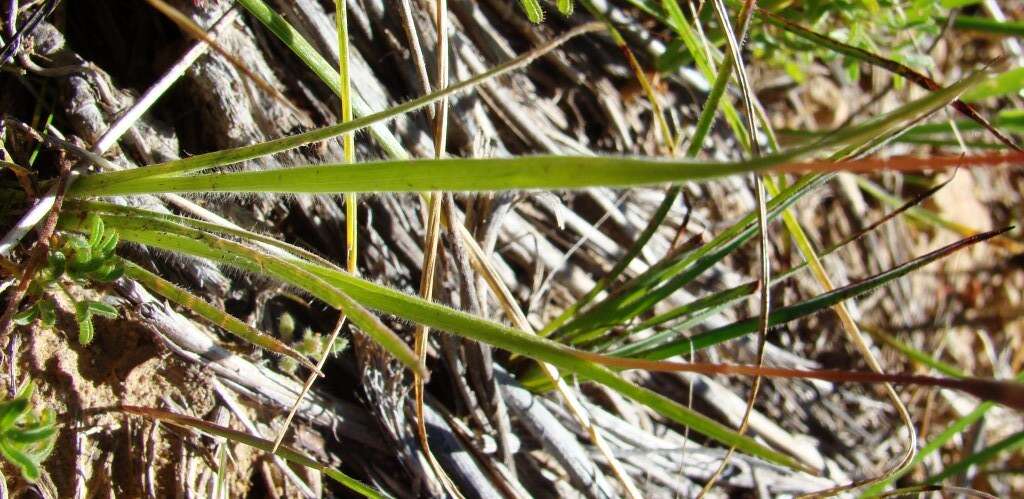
[39,251]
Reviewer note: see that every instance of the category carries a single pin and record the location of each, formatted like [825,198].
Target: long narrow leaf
[1008,444]
[161,234]
[256,442]
[287,271]
[239,154]
[495,174]
[459,174]
[813,305]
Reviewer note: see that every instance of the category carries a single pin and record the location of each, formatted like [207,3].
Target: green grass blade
[936,443]
[283,452]
[323,69]
[991,26]
[651,287]
[449,174]
[681,26]
[165,235]
[572,172]
[232,156]
[101,208]
[711,104]
[1008,444]
[811,306]
[699,309]
[500,174]
[239,255]
[915,354]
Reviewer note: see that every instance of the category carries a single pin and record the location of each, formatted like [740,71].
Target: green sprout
[26,436]
[82,261]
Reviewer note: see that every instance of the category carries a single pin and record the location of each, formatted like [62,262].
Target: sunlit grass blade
[1007,83]
[477,174]
[284,452]
[183,240]
[497,174]
[243,256]
[911,137]
[649,288]
[322,69]
[1011,120]
[811,306]
[914,354]
[294,252]
[681,26]
[213,314]
[228,157]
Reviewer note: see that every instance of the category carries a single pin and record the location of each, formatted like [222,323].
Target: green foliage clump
[27,436]
[82,261]
[894,29]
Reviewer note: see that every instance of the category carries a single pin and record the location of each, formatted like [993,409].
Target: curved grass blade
[256,442]
[165,235]
[245,257]
[936,443]
[813,305]
[582,363]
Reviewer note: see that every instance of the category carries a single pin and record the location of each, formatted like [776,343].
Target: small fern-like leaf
[83,316]
[533,10]
[566,7]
